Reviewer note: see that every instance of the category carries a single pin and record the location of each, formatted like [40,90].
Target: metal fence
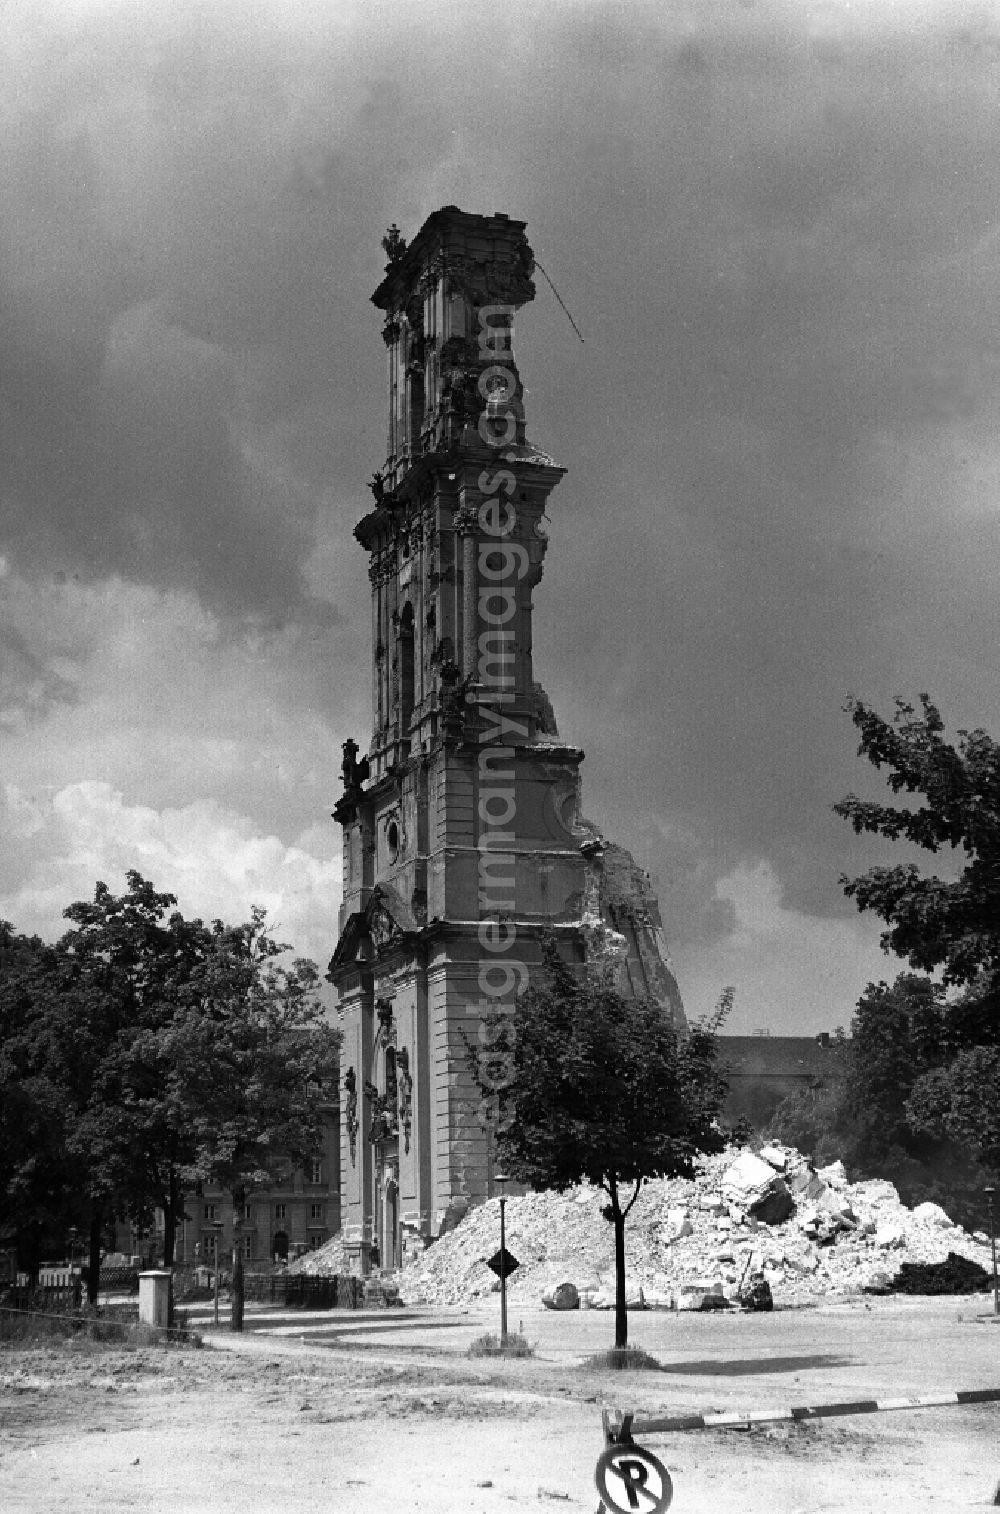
[297,1291]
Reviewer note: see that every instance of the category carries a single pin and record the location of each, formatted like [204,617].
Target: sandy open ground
[342,1412]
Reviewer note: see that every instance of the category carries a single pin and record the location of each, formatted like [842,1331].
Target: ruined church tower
[462,833]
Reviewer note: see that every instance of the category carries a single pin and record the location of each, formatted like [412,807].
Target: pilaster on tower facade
[462,832]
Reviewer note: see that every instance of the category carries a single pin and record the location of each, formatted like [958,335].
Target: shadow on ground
[754,1366]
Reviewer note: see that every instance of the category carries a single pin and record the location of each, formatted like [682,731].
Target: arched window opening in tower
[406,670]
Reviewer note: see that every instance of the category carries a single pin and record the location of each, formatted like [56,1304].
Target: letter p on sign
[630,1480]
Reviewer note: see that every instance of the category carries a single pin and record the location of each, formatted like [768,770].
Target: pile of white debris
[811,1233]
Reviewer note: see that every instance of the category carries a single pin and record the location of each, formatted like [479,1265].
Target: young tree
[933,923]
[593,1085]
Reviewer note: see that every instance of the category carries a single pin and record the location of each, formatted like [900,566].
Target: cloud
[153,695]
[775,225]
[792,971]
[215,860]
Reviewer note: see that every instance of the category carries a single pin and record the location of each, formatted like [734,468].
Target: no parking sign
[630,1480]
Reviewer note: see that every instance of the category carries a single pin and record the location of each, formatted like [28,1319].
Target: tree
[56,1026]
[593,1085]
[960,1103]
[887,1110]
[142,1055]
[941,1081]
[933,923]
[251,1068]
[145,969]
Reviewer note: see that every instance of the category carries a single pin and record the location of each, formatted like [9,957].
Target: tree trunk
[170,1212]
[621,1313]
[94,1257]
[33,1253]
[236,1307]
[169,1228]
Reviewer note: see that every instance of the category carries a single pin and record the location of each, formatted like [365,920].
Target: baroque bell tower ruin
[463,836]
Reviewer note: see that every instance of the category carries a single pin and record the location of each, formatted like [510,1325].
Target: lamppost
[501,1179]
[217,1228]
[236,1306]
[74,1282]
[990,1191]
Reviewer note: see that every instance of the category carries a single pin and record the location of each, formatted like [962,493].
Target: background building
[763,1070]
[296,1214]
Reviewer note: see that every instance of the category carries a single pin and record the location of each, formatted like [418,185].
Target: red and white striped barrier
[621,1429]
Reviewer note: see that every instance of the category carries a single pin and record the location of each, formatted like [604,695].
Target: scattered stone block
[678,1225]
[697,1298]
[658,1298]
[561,1296]
[605,1299]
[774,1157]
[876,1191]
[889,1236]
[932,1214]
[775,1206]
[756,1296]
[756,1187]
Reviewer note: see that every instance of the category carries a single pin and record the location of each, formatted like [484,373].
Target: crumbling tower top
[437,296]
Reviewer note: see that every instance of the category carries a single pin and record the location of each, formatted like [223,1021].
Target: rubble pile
[811,1233]
[956,1274]
[329,1260]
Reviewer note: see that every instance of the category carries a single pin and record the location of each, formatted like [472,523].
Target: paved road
[888,1348]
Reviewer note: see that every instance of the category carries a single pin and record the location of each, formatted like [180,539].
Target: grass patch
[492,1345]
[625,1359]
[21,1327]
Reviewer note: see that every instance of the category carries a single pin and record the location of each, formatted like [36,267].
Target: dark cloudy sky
[777,227]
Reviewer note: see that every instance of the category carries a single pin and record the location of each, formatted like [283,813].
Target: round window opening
[392,840]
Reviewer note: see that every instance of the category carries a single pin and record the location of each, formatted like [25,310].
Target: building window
[316,1170]
[279,1211]
[209,1211]
[248,1248]
[316,1212]
[248,1211]
[317,1239]
[406,669]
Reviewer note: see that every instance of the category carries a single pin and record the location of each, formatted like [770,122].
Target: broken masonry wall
[621,924]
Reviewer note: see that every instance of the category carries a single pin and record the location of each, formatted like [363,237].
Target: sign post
[989,1192]
[502,1262]
[502,1179]
[217,1228]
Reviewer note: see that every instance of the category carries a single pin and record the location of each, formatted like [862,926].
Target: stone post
[154,1298]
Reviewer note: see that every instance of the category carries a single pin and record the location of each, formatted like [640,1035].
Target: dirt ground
[350,1413]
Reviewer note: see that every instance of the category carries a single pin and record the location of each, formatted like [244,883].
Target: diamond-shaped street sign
[503,1263]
